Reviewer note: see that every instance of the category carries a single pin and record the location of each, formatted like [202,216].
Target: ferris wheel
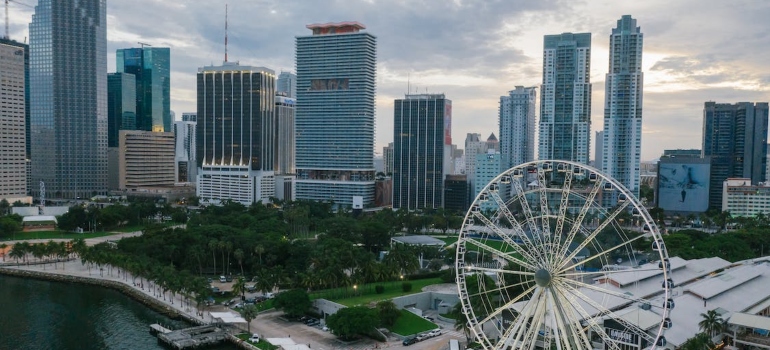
[556,255]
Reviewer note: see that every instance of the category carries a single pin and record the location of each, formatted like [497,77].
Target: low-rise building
[741,198]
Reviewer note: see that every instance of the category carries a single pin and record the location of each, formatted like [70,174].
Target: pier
[156,329]
[192,338]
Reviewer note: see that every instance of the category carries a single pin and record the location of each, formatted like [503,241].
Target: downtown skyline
[472,52]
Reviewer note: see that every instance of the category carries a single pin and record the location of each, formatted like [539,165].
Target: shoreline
[145,297]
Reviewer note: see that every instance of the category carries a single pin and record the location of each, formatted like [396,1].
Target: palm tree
[239,255]
[239,287]
[249,313]
[711,323]
[259,250]
[461,322]
[17,252]
[213,245]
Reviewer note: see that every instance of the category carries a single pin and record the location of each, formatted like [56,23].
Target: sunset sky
[473,51]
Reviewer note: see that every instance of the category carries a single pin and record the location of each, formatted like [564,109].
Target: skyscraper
[68,83]
[473,146]
[285,169]
[517,126]
[565,98]
[235,133]
[24,47]
[421,150]
[184,153]
[735,137]
[13,164]
[287,84]
[121,106]
[152,68]
[623,106]
[336,71]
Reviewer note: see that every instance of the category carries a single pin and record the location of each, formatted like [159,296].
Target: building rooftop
[335,27]
[419,240]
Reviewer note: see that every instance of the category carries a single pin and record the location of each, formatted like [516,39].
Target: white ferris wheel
[556,255]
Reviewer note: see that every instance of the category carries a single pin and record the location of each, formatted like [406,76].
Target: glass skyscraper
[622,144]
[121,106]
[422,140]
[68,92]
[336,71]
[517,126]
[565,98]
[235,133]
[152,68]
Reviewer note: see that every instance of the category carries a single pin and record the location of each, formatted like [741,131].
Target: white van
[222,279]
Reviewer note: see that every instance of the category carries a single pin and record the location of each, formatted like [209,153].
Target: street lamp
[355,289]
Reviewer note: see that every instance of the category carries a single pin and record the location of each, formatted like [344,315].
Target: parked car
[251,289]
[210,301]
[325,329]
[260,298]
[421,337]
[254,338]
[229,278]
[409,341]
[222,279]
[215,290]
[250,301]
[312,322]
[434,333]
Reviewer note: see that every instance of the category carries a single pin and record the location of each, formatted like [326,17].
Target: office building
[387,158]
[68,92]
[121,106]
[517,126]
[459,159]
[683,184]
[598,149]
[13,157]
[186,168]
[565,98]
[622,145]
[383,192]
[488,166]
[146,160]
[336,78]
[152,68]
[235,134]
[421,150]
[285,170]
[735,137]
[456,193]
[287,84]
[25,47]
[743,199]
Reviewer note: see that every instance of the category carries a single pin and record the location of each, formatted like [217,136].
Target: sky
[472,51]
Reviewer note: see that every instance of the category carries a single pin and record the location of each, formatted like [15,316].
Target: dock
[192,338]
[158,329]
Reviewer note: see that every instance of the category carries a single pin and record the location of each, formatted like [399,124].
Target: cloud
[473,50]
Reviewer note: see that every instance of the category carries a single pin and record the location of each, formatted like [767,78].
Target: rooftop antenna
[408,87]
[143,44]
[225,32]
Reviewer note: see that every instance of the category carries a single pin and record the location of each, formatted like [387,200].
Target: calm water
[50,315]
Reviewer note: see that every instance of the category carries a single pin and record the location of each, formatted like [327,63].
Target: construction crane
[143,44]
[7,22]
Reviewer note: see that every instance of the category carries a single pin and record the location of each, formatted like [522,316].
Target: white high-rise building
[565,98]
[473,146]
[622,146]
[517,126]
[13,164]
[186,168]
[287,84]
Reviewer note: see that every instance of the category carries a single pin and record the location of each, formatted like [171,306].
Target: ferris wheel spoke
[567,313]
[564,202]
[503,271]
[527,211]
[570,283]
[606,273]
[537,322]
[597,255]
[505,256]
[589,319]
[544,210]
[603,311]
[506,237]
[578,223]
[590,238]
[511,335]
[507,306]
[503,208]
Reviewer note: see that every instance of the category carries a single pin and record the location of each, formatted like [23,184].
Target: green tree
[711,323]
[352,321]
[249,312]
[461,322]
[700,341]
[389,312]
[294,303]
[239,287]
[9,227]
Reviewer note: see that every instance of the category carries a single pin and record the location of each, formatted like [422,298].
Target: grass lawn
[58,235]
[496,244]
[409,323]
[263,344]
[365,294]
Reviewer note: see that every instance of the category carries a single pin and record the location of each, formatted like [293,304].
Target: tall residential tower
[13,164]
[622,144]
[68,83]
[336,77]
[517,126]
[565,98]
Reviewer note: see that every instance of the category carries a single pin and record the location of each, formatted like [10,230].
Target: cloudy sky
[473,51]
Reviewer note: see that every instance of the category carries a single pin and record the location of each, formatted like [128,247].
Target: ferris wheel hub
[543,278]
